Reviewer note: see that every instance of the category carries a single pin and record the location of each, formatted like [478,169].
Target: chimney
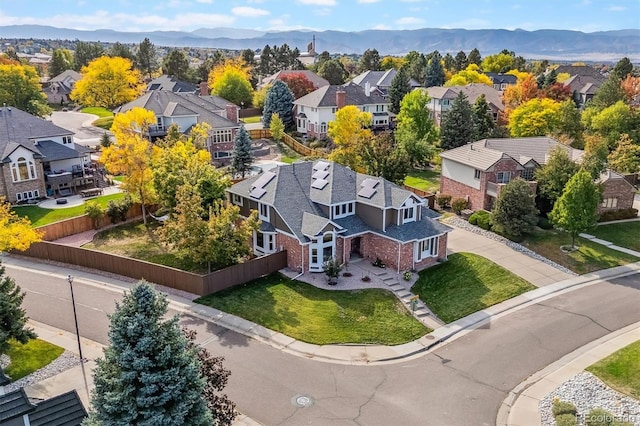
[204,88]
[232,112]
[367,88]
[341,98]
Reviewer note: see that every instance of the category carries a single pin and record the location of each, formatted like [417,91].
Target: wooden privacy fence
[200,285]
[429,196]
[290,141]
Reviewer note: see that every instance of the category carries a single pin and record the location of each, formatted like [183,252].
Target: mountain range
[541,44]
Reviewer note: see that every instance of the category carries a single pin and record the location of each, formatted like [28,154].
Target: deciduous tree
[613,121]
[536,117]
[469,75]
[568,125]
[333,71]
[149,373]
[400,86]
[515,211]
[276,127]
[20,88]
[576,209]
[456,128]
[382,157]
[515,95]
[231,82]
[242,157]
[554,175]
[626,157]
[108,82]
[501,62]
[595,156]
[61,60]
[279,100]
[298,83]
[16,232]
[416,132]
[349,131]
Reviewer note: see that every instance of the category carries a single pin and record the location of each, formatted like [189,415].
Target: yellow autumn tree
[349,131]
[16,232]
[231,81]
[131,155]
[525,89]
[469,75]
[108,82]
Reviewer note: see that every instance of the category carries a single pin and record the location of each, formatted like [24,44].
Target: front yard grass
[588,258]
[253,119]
[465,284]
[39,216]
[99,111]
[319,316]
[621,370]
[32,356]
[625,234]
[426,180]
[138,241]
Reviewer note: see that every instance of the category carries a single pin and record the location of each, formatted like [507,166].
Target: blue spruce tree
[242,158]
[279,99]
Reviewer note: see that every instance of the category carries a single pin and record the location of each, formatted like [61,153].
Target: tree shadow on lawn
[206,330]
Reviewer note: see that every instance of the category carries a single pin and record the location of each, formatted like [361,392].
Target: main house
[188,109]
[380,80]
[315,110]
[38,158]
[442,97]
[320,210]
[478,171]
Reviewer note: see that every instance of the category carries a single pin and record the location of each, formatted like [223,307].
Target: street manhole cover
[302,401]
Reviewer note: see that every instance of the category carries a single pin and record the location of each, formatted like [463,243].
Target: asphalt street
[460,383]
[79,123]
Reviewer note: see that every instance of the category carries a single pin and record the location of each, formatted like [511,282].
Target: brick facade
[477,199]
[621,191]
[296,253]
[9,189]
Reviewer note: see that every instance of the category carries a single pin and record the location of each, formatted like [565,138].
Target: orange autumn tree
[131,155]
[525,89]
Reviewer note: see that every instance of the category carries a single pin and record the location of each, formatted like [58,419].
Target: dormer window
[263,212]
[66,140]
[409,211]
[344,210]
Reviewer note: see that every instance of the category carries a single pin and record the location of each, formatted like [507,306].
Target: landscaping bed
[465,284]
[321,317]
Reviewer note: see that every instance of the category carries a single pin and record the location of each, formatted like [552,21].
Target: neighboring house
[38,158]
[187,110]
[380,80]
[62,410]
[59,87]
[478,171]
[171,84]
[501,81]
[315,110]
[314,78]
[442,97]
[319,210]
[617,192]
[584,81]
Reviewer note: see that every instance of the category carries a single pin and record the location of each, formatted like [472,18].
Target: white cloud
[204,1]
[319,2]
[368,1]
[409,20]
[249,12]
[616,8]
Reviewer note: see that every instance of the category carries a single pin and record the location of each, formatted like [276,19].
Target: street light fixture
[75,316]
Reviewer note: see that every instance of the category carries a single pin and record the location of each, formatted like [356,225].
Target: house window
[301,108]
[527,173]
[476,174]
[237,199]
[426,248]
[223,136]
[264,242]
[334,110]
[365,108]
[444,101]
[343,210]
[67,140]
[323,127]
[263,212]
[23,170]
[221,154]
[503,177]
[610,203]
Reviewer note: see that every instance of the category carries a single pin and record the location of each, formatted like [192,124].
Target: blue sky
[345,15]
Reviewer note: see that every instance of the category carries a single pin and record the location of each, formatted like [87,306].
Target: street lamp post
[75,316]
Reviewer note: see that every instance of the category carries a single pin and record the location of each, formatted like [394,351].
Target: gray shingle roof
[472,92]
[53,151]
[172,84]
[4,380]
[18,128]
[14,404]
[326,97]
[381,79]
[64,75]
[291,194]
[62,410]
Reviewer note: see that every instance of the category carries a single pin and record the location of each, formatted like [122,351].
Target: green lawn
[465,284]
[318,316]
[27,358]
[39,216]
[625,234]
[138,241]
[590,256]
[621,370]
[254,119]
[104,123]
[99,111]
[426,180]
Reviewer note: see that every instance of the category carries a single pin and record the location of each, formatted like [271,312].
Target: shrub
[475,218]
[544,223]
[316,144]
[484,221]
[563,407]
[443,200]
[620,214]
[600,417]
[459,204]
[331,267]
[118,209]
[406,275]
[94,211]
[566,420]
[378,263]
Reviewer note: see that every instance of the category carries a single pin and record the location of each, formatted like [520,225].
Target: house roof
[610,175]
[19,128]
[53,151]
[581,70]
[499,78]
[583,83]
[65,75]
[172,84]
[314,78]
[292,194]
[326,97]
[14,404]
[485,153]
[164,103]
[4,380]
[62,410]
[381,79]
[471,91]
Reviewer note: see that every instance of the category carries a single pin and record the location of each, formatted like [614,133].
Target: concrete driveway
[80,124]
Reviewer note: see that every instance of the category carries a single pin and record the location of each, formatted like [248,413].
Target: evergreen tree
[515,211]
[400,86]
[449,62]
[623,68]
[483,124]
[435,72]
[333,71]
[416,64]
[149,375]
[370,61]
[576,210]
[457,125]
[146,57]
[85,53]
[13,318]
[474,57]
[460,61]
[279,99]
[242,157]
[61,60]
[176,64]
[119,49]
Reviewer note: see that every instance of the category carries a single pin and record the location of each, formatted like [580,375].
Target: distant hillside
[550,44]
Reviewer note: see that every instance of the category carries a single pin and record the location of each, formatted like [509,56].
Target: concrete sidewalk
[520,408]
